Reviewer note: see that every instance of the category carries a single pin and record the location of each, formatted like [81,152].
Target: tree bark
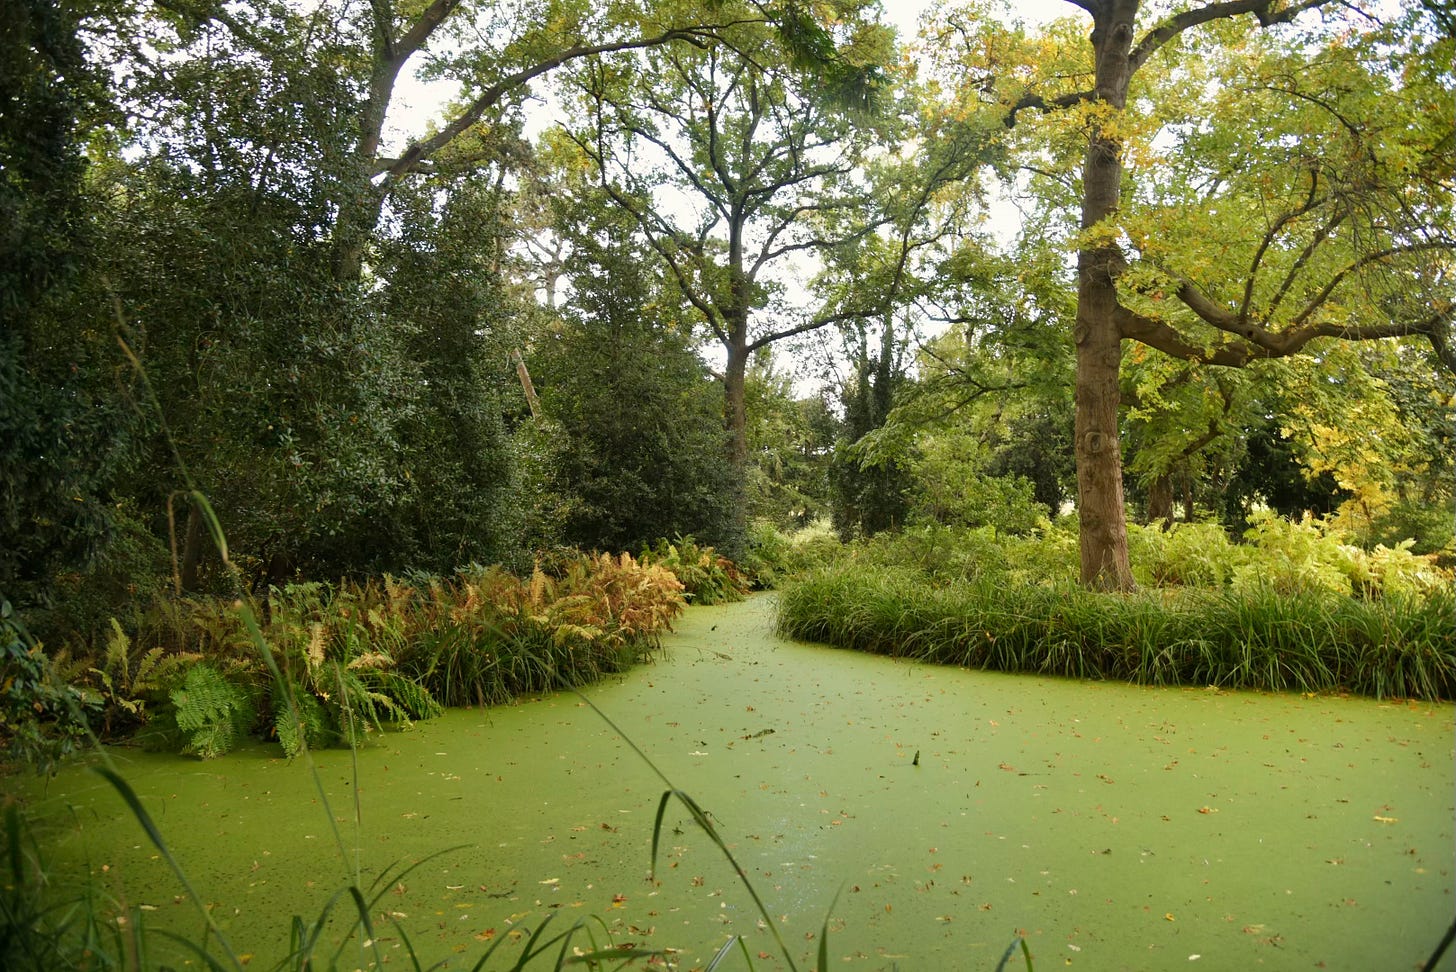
[735,425]
[1160,501]
[193,538]
[1098,336]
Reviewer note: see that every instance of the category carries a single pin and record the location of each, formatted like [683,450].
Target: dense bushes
[1293,608]
[332,663]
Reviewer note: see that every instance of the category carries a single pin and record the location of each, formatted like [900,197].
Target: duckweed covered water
[1116,827]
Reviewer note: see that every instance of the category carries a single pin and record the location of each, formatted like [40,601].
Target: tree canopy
[1145,257]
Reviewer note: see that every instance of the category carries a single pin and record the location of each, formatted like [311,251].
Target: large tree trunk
[1097,335]
[735,424]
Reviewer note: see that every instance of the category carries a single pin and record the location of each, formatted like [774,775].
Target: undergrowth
[1255,637]
[706,577]
[185,674]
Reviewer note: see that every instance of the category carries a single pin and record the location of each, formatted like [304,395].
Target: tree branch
[1041,104]
[1379,256]
[1253,342]
[1271,235]
[204,12]
[490,96]
[1178,23]
[421,30]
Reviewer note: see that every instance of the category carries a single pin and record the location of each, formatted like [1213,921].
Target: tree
[633,414]
[1254,185]
[733,168]
[870,493]
[790,445]
[371,45]
[66,430]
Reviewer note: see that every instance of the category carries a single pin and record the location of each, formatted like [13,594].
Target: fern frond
[118,651]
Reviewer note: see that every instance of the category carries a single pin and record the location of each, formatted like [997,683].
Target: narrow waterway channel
[1116,827]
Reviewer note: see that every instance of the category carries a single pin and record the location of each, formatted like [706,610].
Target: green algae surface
[940,812]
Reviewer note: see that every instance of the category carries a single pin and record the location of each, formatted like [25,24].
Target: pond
[925,815]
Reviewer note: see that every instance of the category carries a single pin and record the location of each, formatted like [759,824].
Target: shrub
[950,490]
[42,718]
[765,561]
[706,577]
[211,711]
[1188,554]
[488,636]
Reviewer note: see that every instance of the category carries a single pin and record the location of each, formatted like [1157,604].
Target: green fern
[211,711]
[408,698]
[309,725]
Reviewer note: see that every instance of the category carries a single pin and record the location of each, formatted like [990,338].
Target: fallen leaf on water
[486,935]
[1207,810]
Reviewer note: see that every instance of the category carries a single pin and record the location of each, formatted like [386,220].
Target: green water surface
[1116,827]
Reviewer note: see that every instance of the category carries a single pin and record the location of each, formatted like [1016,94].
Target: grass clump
[1254,637]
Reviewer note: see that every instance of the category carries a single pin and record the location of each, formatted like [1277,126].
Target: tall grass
[1253,637]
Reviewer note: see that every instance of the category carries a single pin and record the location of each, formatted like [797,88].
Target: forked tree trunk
[1097,334]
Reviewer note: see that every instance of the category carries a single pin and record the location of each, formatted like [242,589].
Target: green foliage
[1194,554]
[336,649]
[950,489]
[469,478]
[1430,526]
[1294,607]
[66,432]
[130,679]
[636,424]
[869,487]
[41,931]
[1295,556]
[766,557]
[305,724]
[706,577]
[42,718]
[486,636]
[790,447]
[211,711]
[1308,641]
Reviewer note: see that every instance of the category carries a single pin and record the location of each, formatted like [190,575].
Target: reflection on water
[1117,827]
